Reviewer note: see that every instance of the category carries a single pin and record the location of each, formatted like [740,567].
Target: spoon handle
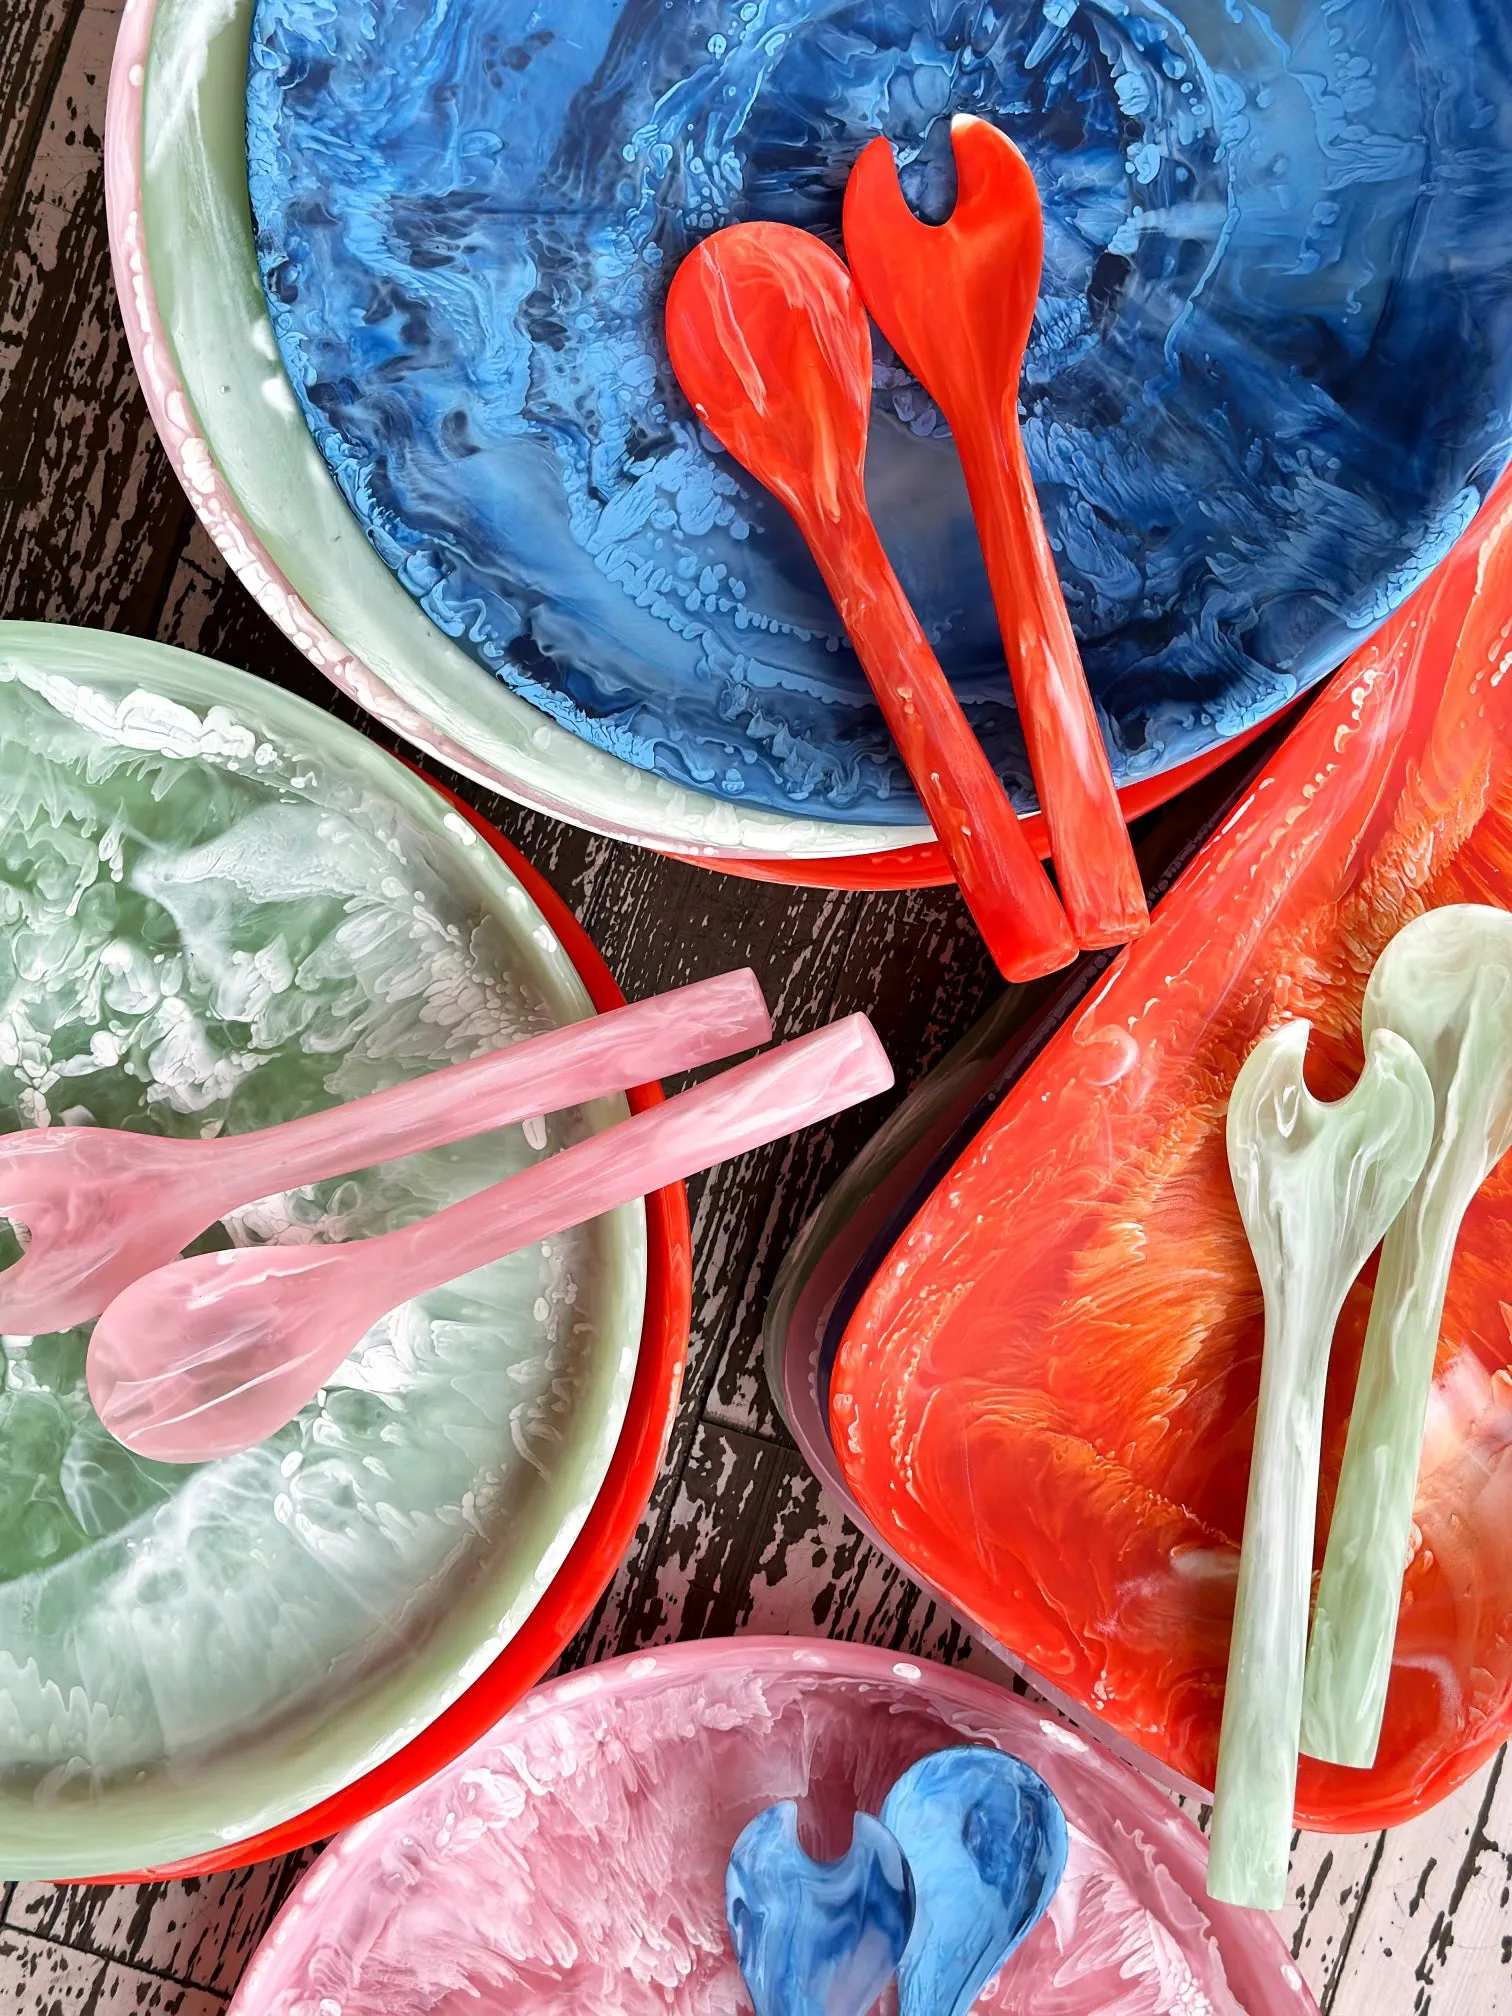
[1002,878]
[633,1045]
[775,1094]
[1360,1589]
[1094,857]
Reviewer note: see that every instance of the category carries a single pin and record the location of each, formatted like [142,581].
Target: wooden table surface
[93,529]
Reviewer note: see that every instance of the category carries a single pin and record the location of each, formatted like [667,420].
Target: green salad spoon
[1317,1185]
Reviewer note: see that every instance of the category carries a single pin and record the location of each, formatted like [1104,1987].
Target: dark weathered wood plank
[38,1975]
[201,1933]
[34,34]
[88,509]
[754,1545]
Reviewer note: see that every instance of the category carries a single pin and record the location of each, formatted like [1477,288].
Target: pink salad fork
[211,1355]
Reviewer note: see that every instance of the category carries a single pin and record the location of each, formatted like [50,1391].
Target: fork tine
[991,174]
[874,184]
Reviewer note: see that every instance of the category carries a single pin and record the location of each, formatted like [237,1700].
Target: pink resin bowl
[614,1516]
[574,1859]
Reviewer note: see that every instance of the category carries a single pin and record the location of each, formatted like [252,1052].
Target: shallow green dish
[220,908]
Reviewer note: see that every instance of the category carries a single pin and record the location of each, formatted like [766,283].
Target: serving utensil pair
[961,1866]
[768,335]
[1319,1186]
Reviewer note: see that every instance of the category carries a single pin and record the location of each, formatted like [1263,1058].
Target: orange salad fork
[956,301]
[771,344]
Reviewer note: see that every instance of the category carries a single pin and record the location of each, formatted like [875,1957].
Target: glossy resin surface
[1445,985]
[816,1937]
[471,1893]
[957,302]
[1262,222]
[221,909]
[1046,1400]
[769,338]
[192,298]
[1318,1184]
[986,1844]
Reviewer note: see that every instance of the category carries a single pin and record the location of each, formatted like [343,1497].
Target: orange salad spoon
[956,301]
[770,342]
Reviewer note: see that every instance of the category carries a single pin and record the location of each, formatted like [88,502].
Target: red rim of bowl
[612,1520]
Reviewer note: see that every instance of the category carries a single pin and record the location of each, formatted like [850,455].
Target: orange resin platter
[1044,1402]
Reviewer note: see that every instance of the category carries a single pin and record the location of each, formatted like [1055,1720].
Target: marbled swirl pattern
[471,1894]
[816,1937]
[1270,377]
[221,910]
[1066,1338]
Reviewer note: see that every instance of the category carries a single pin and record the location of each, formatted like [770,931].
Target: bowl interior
[211,370]
[649,1767]
[223,909]
[1069,1333]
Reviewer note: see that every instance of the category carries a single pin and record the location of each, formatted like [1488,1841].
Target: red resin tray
[1045,1400]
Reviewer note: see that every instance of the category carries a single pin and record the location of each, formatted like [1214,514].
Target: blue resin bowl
[1270,379]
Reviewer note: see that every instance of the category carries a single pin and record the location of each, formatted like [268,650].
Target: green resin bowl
[219,909]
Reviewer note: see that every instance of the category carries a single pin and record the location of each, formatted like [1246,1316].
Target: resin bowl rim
[949,1687]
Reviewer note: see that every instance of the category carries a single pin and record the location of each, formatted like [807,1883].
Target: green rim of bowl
[181,1809]
[198,243]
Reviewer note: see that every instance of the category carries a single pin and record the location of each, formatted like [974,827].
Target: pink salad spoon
[211,1355]
[101,1208]
[770,343]
[956,301]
